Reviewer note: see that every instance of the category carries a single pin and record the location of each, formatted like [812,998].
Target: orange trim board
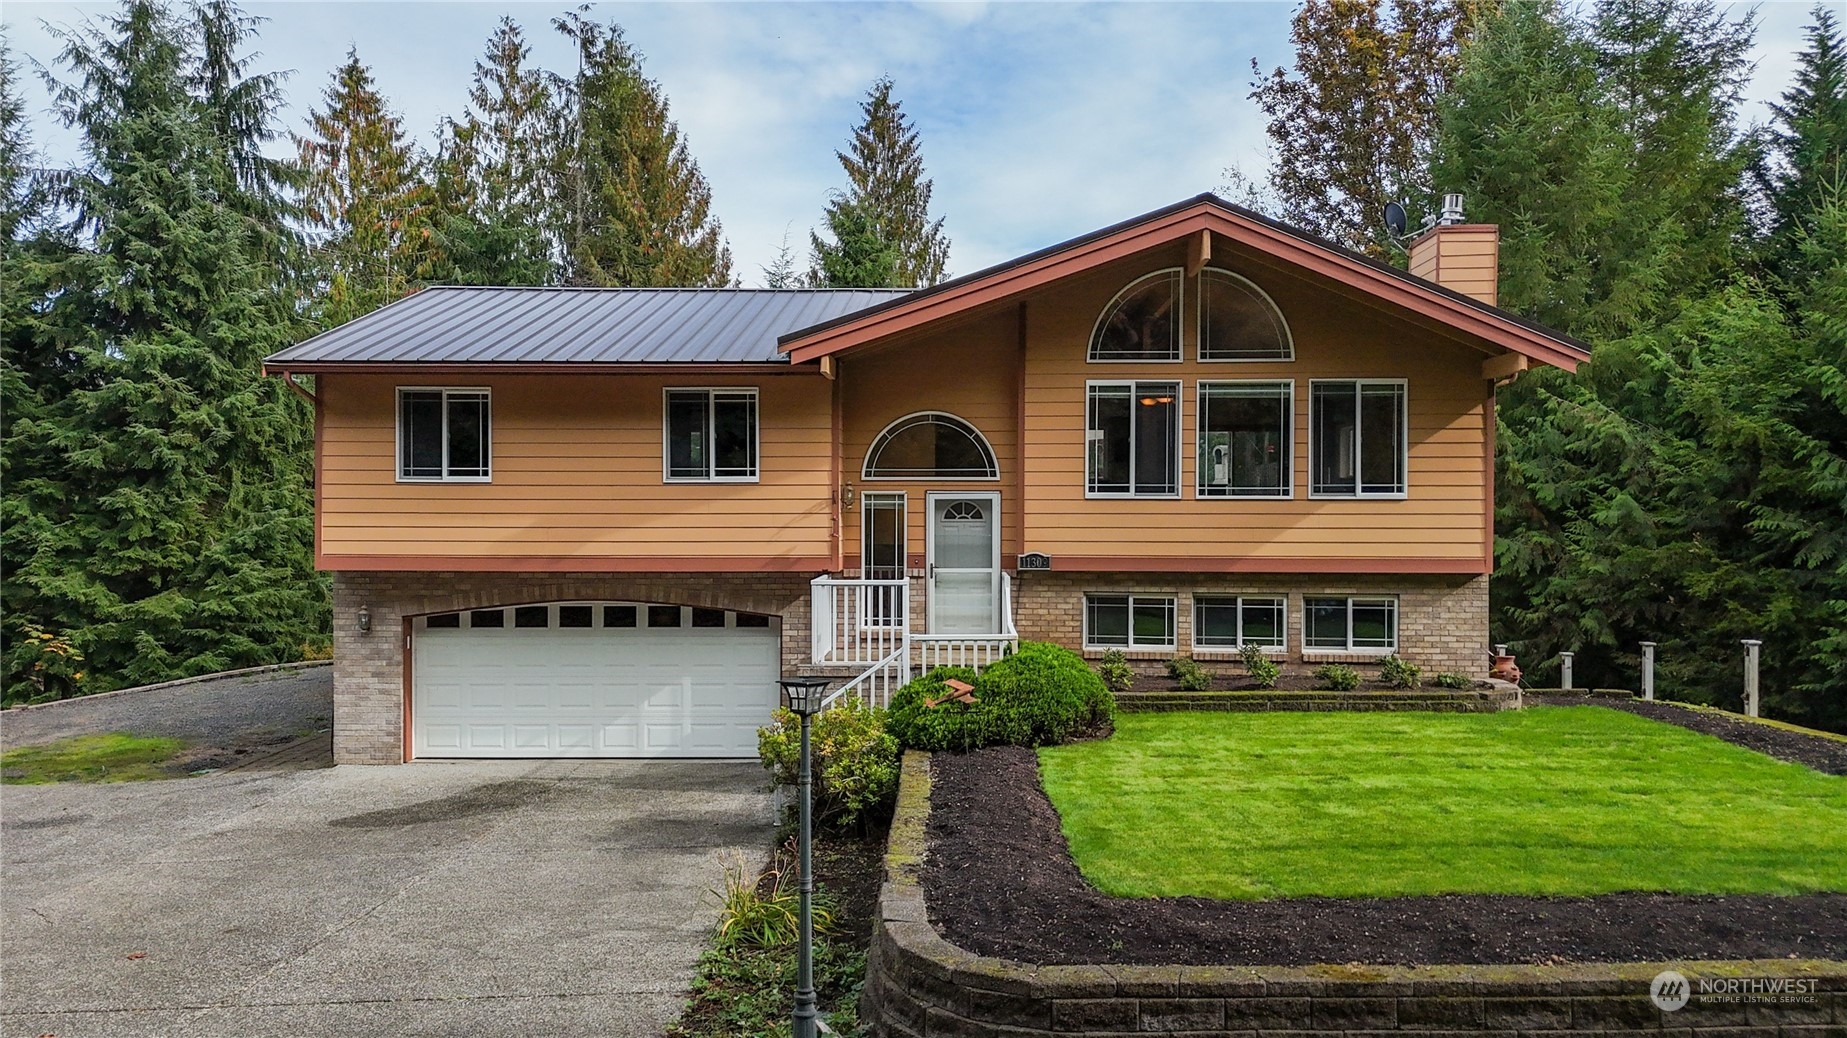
[1250,564]
[573,563]
[1501,329]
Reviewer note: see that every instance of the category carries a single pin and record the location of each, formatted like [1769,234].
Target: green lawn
[1548,800]
[115,757]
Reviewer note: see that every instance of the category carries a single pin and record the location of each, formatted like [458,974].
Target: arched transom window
[1237,320]
[1142,322]
[930,445]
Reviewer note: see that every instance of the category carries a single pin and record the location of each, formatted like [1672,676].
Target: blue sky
[1040,121]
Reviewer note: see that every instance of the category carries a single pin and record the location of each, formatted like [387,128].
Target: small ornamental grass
[1040,695]
[762,910]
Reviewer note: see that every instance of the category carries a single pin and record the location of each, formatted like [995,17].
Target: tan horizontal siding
[1442,517]
[576,472]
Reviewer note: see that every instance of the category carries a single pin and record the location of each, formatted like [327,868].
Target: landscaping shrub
[855,760]
[1339,677]
[762,911]
[1262,668]
[1451,680]
[1399,674]
[948,726]
[1115,672]
[1189,674]
[1038,696]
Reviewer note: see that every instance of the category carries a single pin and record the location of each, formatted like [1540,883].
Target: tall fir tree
[1807,151]
[1353,122]
[634,209]
[365,197]
[489,174]
[879,230]
[165,528]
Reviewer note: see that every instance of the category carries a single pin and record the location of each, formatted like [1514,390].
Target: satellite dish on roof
[1396,220]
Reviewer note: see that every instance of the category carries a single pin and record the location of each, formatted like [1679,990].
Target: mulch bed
[1000,881]
[1235,680]
[1824,755]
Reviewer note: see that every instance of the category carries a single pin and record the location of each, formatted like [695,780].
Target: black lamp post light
[804,695]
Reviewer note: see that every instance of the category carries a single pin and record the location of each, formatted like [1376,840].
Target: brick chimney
[1464,257]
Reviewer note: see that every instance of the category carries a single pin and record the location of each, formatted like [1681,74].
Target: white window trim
[1173,602]
[756,438]
[1110,308]
[865,466]
[1199,432]
[1351,649]
[397,421]
[1226,650]
[1404,440]
[1179,441]
[1199,323]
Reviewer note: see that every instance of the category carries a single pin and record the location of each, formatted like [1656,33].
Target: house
[603,522]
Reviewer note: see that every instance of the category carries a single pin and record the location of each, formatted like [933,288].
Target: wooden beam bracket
[1505,367]
[1198,252]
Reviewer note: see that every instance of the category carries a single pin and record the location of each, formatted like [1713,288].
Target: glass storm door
[964,563]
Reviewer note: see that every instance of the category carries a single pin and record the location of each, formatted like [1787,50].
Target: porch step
[1477,701]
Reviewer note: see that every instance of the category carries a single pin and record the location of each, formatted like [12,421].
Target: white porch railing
[868,623]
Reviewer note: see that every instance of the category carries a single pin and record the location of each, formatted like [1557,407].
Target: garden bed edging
[919,985]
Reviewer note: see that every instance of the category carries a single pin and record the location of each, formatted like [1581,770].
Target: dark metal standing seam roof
[469,325]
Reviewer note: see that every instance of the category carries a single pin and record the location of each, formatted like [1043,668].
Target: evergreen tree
[880,227]
[635,210]
[1354,124]
[1807,149]
[490,174]
[164,528]
[364,197]
[781,272]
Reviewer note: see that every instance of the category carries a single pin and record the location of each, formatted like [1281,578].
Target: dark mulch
[1824,755]
[1225,679]
[1000,881]
[849,868]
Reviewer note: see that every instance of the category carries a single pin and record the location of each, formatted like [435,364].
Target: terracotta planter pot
[1505,669]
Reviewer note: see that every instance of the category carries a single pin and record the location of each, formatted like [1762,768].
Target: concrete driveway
[482,898]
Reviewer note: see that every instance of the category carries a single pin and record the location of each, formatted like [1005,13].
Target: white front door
[963,563]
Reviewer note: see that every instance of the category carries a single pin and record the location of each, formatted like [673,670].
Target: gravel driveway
[490,898]
[242,712]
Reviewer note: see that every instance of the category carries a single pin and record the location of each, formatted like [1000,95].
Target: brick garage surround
[919,985]
[1442,620]
[368,681]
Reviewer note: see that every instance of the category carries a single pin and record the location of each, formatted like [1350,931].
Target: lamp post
[804,696]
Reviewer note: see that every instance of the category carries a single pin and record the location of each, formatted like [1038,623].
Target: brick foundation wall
[919,985]
[368,683]
[1442,620]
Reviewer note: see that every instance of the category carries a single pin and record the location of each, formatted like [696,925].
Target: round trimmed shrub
[1037,696]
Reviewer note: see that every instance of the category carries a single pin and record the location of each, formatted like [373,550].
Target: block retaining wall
[919,985]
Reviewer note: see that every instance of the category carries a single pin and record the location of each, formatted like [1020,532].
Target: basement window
[1367,625]
[1128,621]
[443,435]
[1228,622]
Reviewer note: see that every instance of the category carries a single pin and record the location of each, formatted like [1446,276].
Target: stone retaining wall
[1439,700]
[919,985]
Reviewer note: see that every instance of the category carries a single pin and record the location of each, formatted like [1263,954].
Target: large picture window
[1227,622]
[1244,439]
[1350,625]
[443,435]
[1133,437]
[1129,621]
[711,435]
[1237,320]
[1142,322]
[1358,438]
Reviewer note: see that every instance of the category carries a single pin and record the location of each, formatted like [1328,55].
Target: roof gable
[1378,282]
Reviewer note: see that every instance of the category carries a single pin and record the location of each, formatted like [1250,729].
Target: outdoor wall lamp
[365,619]
[846,496]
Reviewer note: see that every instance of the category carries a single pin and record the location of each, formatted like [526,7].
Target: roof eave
[449,367]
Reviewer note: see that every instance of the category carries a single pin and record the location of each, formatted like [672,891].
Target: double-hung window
[1229,622]
[1133,438]
[1357,437]
[1244,439]
[711,435]
[443,435]
[1350,624]
[1129,621]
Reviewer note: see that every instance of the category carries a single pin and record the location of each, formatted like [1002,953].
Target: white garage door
[592,680]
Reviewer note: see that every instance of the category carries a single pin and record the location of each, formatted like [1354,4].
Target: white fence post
[1751,645]
[1564,669]
[1648,671]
